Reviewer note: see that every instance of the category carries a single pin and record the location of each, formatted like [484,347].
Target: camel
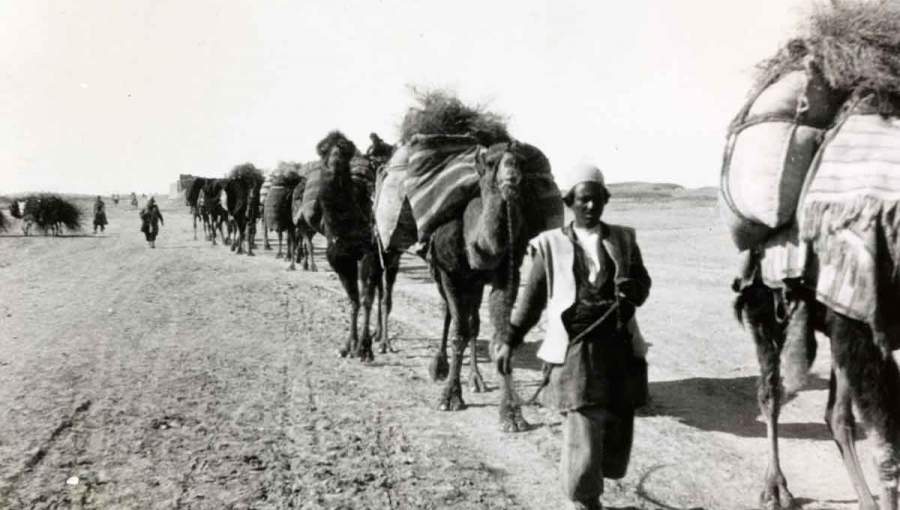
[242,192]
[194,199]
[211,197]
[276,215]
[300,235]
[840,251]
[489,231]
[782,322]
[495,226]
[4,223]
[343,213]
[49,212]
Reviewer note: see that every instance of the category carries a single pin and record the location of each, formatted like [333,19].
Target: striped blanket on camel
[849,213]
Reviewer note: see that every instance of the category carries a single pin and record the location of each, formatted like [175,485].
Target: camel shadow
[726,405]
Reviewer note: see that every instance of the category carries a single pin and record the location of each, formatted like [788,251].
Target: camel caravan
[49,212]
[810,191]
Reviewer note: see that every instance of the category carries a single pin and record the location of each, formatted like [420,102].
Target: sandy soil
[188,377]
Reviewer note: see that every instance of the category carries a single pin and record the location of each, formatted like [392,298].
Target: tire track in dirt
[65,426]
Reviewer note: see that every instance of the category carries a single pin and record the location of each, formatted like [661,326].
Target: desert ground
[189,377]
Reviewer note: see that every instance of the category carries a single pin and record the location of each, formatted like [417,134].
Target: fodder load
[768,153]
[312,192]
[192,193]
[849,48]
[48,211]
[362,173]
[277,199]
[394,220]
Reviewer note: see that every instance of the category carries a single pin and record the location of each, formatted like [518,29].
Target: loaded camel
[844,239]
[482,242]
[212,209]
[341,210]
[49,212]
[194,199]
[242,192]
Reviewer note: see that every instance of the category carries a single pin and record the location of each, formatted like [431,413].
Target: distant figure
[134,202]
[379,151]
[151,219]
[115,199]
[99,215]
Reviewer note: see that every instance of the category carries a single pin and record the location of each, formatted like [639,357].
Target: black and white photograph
[389,255]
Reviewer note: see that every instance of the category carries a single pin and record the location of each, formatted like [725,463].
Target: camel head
[501,219]
[15,208]
[500,170]
[336,151]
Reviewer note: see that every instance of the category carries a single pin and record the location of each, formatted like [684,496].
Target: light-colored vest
[558,253]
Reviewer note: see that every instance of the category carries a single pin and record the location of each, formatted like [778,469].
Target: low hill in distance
[640,191]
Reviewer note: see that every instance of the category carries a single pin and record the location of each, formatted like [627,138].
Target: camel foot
[365,354]
[511,419]
[476,382]
[278,255]
[388,347]
[292,267]
[438,369]
[451,399]
[267,247]
[344,352]
[776,495]
[250,254]
[888,499]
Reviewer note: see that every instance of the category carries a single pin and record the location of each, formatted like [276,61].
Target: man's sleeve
[531,300]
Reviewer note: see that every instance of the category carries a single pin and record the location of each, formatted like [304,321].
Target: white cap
[583,172]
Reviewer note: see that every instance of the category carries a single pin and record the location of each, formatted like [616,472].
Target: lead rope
[510,291]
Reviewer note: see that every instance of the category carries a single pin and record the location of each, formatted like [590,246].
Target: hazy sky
[102,96]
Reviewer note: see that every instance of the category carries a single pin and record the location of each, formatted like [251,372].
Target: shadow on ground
[726,405]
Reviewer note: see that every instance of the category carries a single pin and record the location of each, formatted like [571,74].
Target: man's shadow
[707,403]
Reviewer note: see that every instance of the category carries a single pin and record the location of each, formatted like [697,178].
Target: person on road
[590,277]
[151,219]
[99,215]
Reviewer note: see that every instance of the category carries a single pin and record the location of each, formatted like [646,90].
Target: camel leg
[309,252]
[511,419]
[195,228]
[775,494]
[459,302]
[279,253]
[476,381]
[266,245]
[868,378]
[839,419]
[237,245]
[439,368]
[251,234]
[348,272]
[369,279]
[291,247]
[389,278]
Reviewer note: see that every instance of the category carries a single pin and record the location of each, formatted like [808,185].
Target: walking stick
[548,368]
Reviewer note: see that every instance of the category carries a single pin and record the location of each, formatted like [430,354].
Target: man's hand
[503,358]
[628,290]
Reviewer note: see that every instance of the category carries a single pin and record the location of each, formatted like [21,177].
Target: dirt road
[188,377]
